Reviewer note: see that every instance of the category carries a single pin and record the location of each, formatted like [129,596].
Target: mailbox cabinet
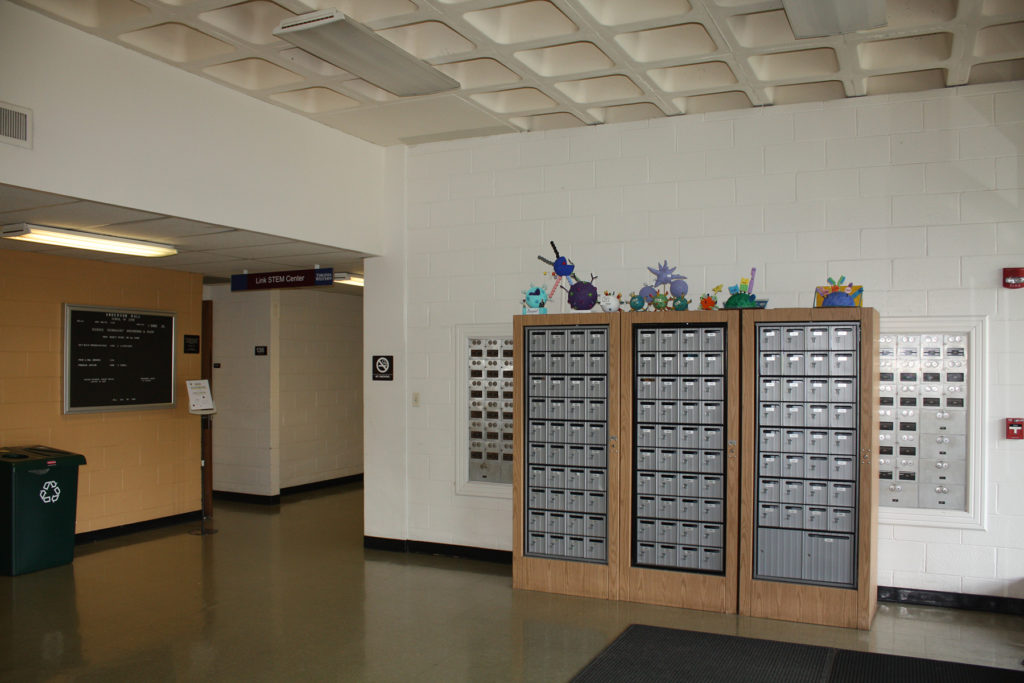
[810,465]
[716,460]
[566,465]
[679,490]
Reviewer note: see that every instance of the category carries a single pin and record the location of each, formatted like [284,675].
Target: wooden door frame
[206,369]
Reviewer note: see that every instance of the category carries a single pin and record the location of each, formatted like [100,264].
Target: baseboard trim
[276,500]
[254,498]
[125,529]
[980,603]
[426,548]
[314,485]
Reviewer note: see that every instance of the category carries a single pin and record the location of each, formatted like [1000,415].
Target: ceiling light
[337,39]
[815,18]
[76,239]
[348,279]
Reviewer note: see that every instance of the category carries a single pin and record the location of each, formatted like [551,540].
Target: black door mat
[649,653]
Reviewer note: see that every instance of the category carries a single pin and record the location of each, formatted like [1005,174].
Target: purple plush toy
[582,295]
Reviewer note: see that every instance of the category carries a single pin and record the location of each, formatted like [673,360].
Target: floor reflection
[289,593]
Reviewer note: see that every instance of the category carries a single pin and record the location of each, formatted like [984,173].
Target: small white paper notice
[200,398]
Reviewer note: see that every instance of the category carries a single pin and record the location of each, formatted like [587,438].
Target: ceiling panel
[215,251]
[74,214]
[16,198]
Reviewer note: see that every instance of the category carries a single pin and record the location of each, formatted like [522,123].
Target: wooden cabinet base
[568,578]
[673,589]
[807,604]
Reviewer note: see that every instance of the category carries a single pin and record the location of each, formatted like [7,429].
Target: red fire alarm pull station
[1015,428]
[1013,278]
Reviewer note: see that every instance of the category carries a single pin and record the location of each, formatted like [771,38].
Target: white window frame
[463,485]
[976,489]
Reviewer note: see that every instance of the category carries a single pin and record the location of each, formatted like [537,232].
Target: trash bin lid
[31,457]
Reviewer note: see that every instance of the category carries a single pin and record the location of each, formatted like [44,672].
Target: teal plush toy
[534,299]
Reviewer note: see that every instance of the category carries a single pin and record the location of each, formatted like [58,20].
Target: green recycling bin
[38,499]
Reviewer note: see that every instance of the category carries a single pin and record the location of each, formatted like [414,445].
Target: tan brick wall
[142,464]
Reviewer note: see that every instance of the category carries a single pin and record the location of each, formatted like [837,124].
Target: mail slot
[843,363]
[816,390]
[665,460]
[769,514]
[771,465]
[689,485]
[816,492]
[711,462]
[647,363]
[818,364]
[770,389]
[769,491]
[668,340]
[770,414]
[793,363]
[793,414]
[576,363]
[667,363]
[793,339]
[769,338]
[667,484]
[689,340]
[712,486]
[793,390]
[576,340]
[816,339]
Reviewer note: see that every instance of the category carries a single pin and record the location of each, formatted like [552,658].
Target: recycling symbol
[50,492]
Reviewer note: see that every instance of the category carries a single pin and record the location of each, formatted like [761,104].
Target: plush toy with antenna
[742,295]
[581,295]
[668,291]
[561,267]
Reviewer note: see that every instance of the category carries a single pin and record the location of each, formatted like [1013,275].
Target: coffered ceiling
[544,64]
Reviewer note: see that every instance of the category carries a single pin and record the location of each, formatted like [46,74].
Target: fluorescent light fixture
[336,38]
[76,239]
[815,18]
[348,279]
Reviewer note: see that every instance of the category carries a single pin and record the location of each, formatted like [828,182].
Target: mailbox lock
[894,488]
[941,465]
[941,489]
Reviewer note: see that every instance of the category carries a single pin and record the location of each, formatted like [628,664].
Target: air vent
[15,125]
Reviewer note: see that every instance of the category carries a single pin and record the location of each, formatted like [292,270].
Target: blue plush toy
[534,299]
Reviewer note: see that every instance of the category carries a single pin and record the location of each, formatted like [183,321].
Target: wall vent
[15,125]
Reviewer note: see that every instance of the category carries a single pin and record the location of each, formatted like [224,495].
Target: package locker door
[566,456]
[808,540]
[679,484]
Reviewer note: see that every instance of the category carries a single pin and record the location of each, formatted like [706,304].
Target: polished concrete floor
[289,594]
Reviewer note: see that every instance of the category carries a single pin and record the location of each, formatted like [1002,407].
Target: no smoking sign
[383,368]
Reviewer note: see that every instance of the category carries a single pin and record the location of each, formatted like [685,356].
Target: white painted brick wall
[918,198]
[311,428]
[824,123]
[795,156]
[242,428]
[320,387]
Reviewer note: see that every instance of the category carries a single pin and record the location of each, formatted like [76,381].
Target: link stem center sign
[282,279]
